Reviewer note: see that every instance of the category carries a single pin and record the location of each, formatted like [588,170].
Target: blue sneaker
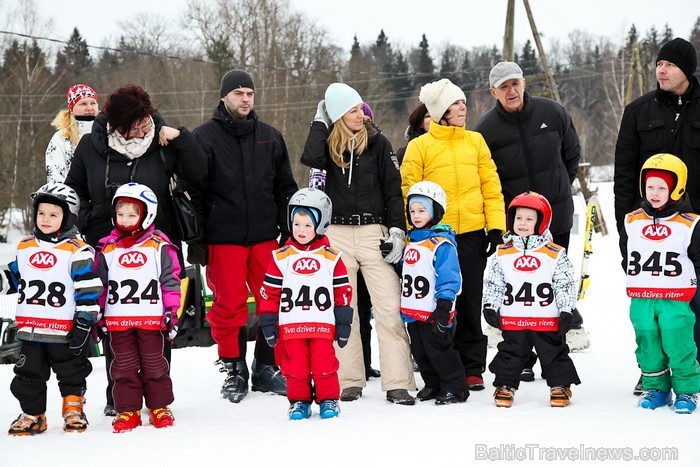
[299,410]
[653,399]
[329,408]
[685,403]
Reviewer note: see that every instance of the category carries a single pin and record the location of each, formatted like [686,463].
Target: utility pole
[508,35]
[543,57]
[549,77]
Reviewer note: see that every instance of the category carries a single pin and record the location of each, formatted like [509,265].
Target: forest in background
[292,61]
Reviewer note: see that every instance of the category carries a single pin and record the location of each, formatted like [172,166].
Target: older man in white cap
[535,147]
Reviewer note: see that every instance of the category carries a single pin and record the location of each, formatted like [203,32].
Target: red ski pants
[303,360]
[232,270]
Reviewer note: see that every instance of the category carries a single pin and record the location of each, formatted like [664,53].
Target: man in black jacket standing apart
[536,148]
[243,208]
[666,120]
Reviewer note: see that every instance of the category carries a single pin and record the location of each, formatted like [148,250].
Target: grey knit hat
[235,79]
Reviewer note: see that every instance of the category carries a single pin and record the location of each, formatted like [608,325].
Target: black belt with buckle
[358,219]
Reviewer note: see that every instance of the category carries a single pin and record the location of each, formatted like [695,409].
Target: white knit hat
[339,99]
[438,96]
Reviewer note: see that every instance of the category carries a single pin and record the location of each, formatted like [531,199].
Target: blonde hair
[67,125]
[342,139]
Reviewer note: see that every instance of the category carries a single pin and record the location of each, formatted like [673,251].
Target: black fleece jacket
[244,199]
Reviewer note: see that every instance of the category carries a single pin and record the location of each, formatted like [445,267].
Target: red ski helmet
[535,201]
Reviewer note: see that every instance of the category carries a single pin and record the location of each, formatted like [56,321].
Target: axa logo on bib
[527,263]
[42,260]
[412,256]
[306,266]
[656,232]
[132,259]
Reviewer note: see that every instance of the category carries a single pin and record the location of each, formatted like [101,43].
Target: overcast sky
[466,23]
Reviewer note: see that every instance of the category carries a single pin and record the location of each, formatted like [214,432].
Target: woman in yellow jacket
[460,161]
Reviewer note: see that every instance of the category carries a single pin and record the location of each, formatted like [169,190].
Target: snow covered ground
[602,426]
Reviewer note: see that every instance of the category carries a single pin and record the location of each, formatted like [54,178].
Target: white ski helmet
[61,195]
[140,194]
[432,191]
[313,200]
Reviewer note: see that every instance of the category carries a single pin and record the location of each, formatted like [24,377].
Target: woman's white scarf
[131,148]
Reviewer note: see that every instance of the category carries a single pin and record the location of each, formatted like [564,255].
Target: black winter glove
[268,324]
[79,335]
[492,317]
[440,317]
[566,318]
[284,236]
[343,325]
[493,239]
[197,253]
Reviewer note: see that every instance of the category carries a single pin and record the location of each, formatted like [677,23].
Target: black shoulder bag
[185,214]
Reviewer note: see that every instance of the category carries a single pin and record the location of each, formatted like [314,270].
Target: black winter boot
[268,378]
[235,386]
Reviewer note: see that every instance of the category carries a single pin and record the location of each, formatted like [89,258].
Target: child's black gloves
[565,321]
[492,317]
[268,324]
[440,317]
[493,239]
[80,333]
[343,323]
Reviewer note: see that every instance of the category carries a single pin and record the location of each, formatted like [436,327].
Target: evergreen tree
[528,60]
[695,34]
[668,34]
[448,64]
[219,50]
[401,82]
[75,58]
[423,66]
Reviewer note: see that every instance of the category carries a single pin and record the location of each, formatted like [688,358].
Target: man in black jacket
[666,120]
[536,148]
[243,208]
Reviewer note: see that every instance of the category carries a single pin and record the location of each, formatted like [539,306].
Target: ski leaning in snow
[585,281]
